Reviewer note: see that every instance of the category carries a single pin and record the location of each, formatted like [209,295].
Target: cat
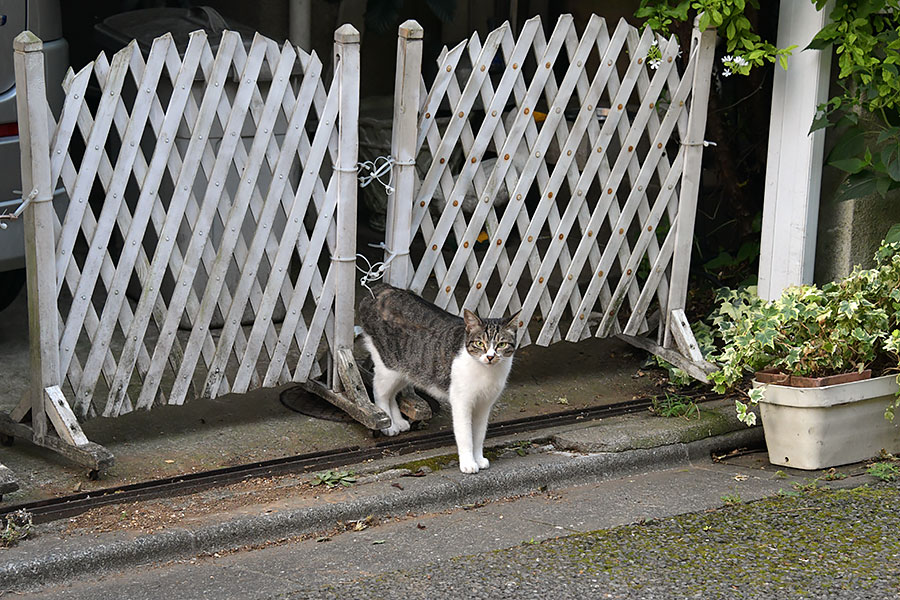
[463,360]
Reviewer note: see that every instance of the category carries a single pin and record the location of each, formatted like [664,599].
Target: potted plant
[797,343]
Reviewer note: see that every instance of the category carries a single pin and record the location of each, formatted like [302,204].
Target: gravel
[836,544]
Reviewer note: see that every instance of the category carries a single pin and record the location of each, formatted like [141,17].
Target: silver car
[43,18]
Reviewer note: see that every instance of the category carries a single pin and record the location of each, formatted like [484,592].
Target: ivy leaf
[893,235]
[857,185]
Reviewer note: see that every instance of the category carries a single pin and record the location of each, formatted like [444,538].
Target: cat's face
[490,341]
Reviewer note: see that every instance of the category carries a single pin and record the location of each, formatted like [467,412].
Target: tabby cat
[464,361]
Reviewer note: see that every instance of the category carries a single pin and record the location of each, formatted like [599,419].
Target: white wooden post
[346,61]
[40,252]
[690,183]
[403,151]
[794,162]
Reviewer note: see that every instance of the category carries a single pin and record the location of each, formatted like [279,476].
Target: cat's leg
[386,384]
[461,408]
[480,414]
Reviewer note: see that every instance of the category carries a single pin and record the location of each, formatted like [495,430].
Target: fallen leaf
[420,526]
[397,485]
[376,542]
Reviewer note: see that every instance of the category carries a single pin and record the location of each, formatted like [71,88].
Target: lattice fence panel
[549,177]
[194,257]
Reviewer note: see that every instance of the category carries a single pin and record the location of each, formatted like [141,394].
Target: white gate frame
[45,400]
[675,341]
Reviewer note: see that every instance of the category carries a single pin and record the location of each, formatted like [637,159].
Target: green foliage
[334,478]
[846,325]
[885,471]
[865,35]
[18,527]
[746,49]
[675,405]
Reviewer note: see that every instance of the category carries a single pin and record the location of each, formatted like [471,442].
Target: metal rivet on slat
[620,107]
[581,317]
[442,161]
[478,286]
[569,153]
[482,68]
[455,203]
[449,68]
[558,110]
[530,238]
[651,105]
[427,115]
[640,61]
[669,59]
[465,244]
[518,196]
[609,63]
[499,242]
[659,145]
[649,227]
[506,157]
[473,160]
[526,111]
[628,272]
[547,65]
[537,154]
[579,193]
[493,113]
[569,277]
[579,63]
[540,280]
[461,114]
[630,148]
[599,148]
[640,188]
[515,66]
[447,289]
[561,236]
[521,323]
[621,231]
[609,191]
[590,233]
[434,247]
[549,194]
[487,199]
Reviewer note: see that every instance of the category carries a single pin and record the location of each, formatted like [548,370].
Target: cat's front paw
[397,426]
[468,466]
[482,462]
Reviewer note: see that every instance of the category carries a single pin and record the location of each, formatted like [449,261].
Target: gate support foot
[354,399]
[69,440]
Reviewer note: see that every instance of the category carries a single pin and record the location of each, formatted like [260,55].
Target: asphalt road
[707,531]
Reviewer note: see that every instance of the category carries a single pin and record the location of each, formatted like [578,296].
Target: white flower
[740,61]
[726,72]
[727,59]
[654,64]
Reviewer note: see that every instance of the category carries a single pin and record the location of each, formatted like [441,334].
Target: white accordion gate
[158,243]
[557,176]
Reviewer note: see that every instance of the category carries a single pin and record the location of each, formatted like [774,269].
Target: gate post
[346,61]
[40,251]
[403,152]
[675,331]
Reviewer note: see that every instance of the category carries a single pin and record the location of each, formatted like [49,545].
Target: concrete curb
[441,491]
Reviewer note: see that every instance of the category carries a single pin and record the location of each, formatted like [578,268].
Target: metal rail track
[44,511]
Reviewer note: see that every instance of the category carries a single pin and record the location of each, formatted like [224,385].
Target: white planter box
[818,428]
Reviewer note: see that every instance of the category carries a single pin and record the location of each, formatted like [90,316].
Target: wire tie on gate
[375,271]
[704,143]
[18,212]
[377,168]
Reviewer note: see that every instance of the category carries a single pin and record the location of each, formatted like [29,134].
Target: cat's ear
[512,324]
[473,322]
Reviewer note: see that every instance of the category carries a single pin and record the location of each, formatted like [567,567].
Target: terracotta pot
[778,377]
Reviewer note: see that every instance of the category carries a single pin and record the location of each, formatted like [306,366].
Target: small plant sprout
[675,405]
[18,527]
[885,471]
[334,478]
[732,499]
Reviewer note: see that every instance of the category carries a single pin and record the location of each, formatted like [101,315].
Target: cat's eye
[478,344]
[502,345]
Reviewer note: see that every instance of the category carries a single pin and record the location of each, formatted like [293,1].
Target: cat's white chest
[476,381]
